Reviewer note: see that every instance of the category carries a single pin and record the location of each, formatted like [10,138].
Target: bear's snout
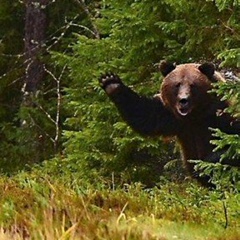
[184,102]
[184,106]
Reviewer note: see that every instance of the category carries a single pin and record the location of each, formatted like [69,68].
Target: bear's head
[185,88]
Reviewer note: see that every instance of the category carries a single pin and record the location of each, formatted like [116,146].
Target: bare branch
[59,99]
[86,10]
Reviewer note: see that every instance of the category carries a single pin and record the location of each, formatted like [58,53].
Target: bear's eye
[194,88]
[192,85]
[177,85]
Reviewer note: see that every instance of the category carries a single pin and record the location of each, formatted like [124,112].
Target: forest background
[57,126]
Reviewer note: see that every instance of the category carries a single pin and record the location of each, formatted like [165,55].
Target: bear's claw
[109,78]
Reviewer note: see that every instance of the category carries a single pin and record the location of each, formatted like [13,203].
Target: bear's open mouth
[184,111]
[184,106]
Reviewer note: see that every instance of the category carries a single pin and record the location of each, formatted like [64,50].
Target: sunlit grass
[38,208]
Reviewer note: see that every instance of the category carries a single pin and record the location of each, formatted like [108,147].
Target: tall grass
[33,207]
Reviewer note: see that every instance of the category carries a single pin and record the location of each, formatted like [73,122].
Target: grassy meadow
[34,207]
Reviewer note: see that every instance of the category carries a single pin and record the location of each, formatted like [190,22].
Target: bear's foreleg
[145,115]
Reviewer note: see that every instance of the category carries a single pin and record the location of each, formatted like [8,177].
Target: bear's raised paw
[110,82]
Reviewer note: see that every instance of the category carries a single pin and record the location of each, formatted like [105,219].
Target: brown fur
[188,81]
[184,109]
[193,83]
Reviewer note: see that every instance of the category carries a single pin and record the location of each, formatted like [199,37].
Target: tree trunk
[35,37]
[35,33]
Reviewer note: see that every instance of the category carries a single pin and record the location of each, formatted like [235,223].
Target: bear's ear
[165,67]
[207,69]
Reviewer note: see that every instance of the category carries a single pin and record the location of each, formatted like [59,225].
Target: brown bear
[184,109]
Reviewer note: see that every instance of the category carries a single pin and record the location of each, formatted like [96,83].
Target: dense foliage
[135,36]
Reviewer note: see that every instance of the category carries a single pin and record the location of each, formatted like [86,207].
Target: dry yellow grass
[38,209]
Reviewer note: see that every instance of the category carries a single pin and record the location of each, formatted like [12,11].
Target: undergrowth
[40,207]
